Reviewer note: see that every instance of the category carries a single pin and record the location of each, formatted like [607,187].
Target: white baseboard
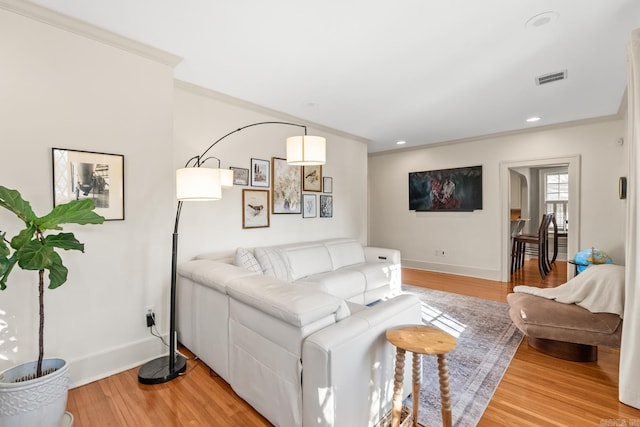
[112,361]
[460,270]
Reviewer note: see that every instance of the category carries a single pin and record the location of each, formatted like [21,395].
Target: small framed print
[255,208]
[326,206]
[88,175]
[327,184]
[260,173]
[240,176]
[312,178]
[309,206]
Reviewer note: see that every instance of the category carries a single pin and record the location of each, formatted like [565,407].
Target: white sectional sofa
[290,332]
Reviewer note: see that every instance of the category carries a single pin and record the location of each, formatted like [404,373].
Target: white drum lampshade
[306,150]
[198,184]
[226,178]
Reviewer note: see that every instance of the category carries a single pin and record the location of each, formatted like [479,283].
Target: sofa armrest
[295,305]
[373,254]
[348,367]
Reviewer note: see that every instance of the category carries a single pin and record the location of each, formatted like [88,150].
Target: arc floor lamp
[195,183]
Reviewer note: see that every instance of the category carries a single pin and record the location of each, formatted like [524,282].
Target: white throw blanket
[599,289]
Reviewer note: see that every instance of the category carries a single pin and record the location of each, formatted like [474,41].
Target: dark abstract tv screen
[458,189]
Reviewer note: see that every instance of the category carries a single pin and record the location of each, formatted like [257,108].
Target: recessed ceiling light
[401,142]
[541,19]
[533,119]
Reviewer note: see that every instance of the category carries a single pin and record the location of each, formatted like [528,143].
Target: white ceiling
[424,71]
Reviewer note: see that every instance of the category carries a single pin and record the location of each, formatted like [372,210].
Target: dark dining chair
[535,244]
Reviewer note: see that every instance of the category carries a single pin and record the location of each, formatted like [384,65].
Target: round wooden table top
[421,339]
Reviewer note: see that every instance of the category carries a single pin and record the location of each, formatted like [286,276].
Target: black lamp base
[157,371]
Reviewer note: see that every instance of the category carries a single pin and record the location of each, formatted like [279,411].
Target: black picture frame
[91,175]
[260,173]
[457,189]
[326,206]
[309,206]
[240,176]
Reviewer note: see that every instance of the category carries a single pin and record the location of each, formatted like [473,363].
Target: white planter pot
[40,402]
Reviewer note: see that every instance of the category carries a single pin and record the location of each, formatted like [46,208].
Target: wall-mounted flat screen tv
[458,189]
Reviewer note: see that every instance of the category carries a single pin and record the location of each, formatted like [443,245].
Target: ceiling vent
[551,77]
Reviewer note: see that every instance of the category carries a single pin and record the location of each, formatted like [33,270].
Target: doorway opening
[526,195]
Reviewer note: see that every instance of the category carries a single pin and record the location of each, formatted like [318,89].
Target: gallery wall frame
[255,208]
[327,184]
[260,173]
[240,176]
[312,178]
[91,175]
[457,189]
[286,194]
[326,206]
[309,206]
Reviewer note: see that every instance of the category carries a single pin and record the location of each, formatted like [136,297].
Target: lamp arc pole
[167,368]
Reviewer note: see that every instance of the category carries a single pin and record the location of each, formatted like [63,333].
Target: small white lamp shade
[306,150]
[198,184]
[226,178]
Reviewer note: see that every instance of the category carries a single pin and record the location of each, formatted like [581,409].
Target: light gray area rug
[486,342]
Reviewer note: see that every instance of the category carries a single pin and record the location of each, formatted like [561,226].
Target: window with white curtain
[556,196]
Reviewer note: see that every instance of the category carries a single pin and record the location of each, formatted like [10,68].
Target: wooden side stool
[420,339]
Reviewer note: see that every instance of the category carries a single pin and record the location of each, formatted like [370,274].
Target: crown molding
[81,28]
[228,99]
[536,129]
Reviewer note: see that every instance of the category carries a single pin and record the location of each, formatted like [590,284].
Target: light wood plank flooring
[537,390]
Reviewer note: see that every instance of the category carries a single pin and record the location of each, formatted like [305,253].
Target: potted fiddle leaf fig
[35,248]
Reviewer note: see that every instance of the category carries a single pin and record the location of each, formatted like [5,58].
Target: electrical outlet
[151,319]
[442,252]
[439,252]
[150,316]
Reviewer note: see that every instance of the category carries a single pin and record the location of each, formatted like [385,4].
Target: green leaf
[24,237]
[11,200]
[64,241]
[4,249]
[6,265]
[35,256]
[57,272]
[74,212]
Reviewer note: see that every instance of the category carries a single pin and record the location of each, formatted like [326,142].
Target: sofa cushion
[345,252]
[272,262]
[376,274]
[213,274]
[346,284]
[307,260]
[245,259]
[296,306]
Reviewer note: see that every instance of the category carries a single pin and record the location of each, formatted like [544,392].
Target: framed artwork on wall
[259,173]
[458,189]
[309,206]
[286,193]
[89,175]
[312,178]
[255,208]
[240,176]
[326,206]
[327,184]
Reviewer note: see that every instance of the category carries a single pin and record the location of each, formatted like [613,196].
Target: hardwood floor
[536,390]
[540,390]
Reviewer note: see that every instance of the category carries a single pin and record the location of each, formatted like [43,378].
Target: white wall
[473,240]
[201,117]
[65,85]
[63,90]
